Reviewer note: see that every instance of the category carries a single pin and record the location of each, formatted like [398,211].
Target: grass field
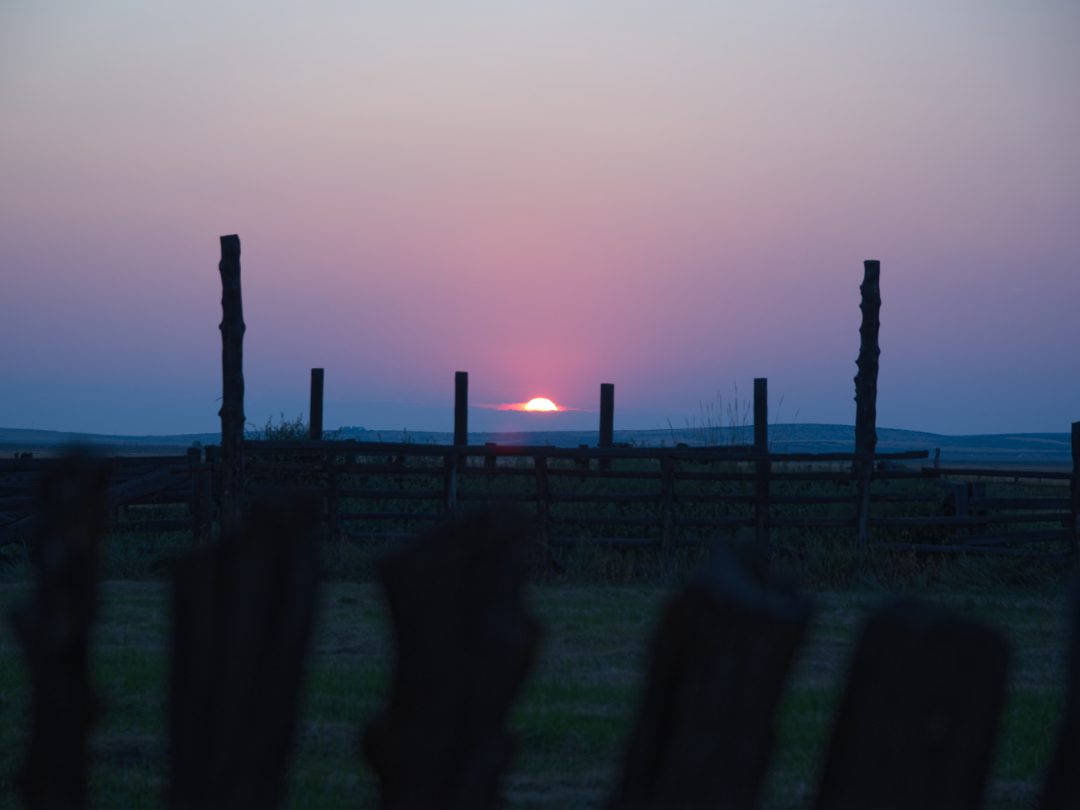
[571,719]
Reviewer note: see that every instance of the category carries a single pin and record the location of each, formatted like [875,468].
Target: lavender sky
[672,197]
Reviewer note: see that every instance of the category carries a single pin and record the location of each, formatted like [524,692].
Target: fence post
[333,500]
[607,420]
[461,412]
[232,385]
[196,505]
[1074,489]
[315,411]
[212,488]
[667,504]
[866,397]
[543,500]
[763,468]
[450,466]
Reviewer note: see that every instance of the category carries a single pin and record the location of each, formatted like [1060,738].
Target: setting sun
[540,404]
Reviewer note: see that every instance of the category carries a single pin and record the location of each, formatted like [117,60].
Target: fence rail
[659,497]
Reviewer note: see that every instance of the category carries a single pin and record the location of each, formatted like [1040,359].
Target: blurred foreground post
[763,468]
[464,646]
[53,629]
[232,386]
[1061,790]
[919,717]
[866,397]
[316,409]
[719,662]
[242,614]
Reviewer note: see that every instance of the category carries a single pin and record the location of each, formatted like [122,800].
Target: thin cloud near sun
[534,405]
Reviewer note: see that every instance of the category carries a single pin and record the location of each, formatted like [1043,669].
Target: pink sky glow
[675,198]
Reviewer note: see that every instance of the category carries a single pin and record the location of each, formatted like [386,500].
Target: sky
[673,197]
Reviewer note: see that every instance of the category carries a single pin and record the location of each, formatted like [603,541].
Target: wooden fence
[916,725]
[659,498]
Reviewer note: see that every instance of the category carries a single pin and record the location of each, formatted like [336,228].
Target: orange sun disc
[542,404]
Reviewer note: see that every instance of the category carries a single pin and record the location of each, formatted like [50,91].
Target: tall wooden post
[315,411]
[866,397]
[232,386]
[1075,490]
[763,468]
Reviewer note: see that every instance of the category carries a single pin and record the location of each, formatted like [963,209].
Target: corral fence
[916,725]
[652,498]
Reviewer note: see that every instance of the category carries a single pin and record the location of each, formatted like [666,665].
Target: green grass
[573,715]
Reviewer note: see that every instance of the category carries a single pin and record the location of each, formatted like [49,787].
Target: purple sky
[672,197]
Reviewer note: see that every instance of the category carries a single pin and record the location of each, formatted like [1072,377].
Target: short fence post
[461,412]
[232,386]
[543,500]
[490,458]
[667,504]
[607,420]
[315,421]
[1074,490]
[866,397]
[333,500]
[212,487]
[450,467]
[763,468]
[196,505]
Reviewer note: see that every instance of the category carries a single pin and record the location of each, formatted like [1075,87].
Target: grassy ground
[574,713]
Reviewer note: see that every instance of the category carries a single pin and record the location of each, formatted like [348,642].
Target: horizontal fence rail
[634,497]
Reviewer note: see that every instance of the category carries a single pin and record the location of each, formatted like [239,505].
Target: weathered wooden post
[232,386]
[461,413]
[212,488]
[607,420]
[667,504]
[919,717]
[543,501]
[465,643]
[762,467]
[53,628]
[197,504]
[866,397]
[1074,488]
[242,615]
[720,659]
[315,420]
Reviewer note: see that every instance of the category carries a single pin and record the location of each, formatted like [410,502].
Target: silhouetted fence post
[866,397]
[607,421]
[763,468]
[333,499]
[213,485]
[53,629]
[315,420]
[667,504]
[451,461]
[200,497]
[232,385]
[461,413]
[543,500]
[1074,490]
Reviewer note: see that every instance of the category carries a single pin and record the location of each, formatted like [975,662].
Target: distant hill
[1049,450]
